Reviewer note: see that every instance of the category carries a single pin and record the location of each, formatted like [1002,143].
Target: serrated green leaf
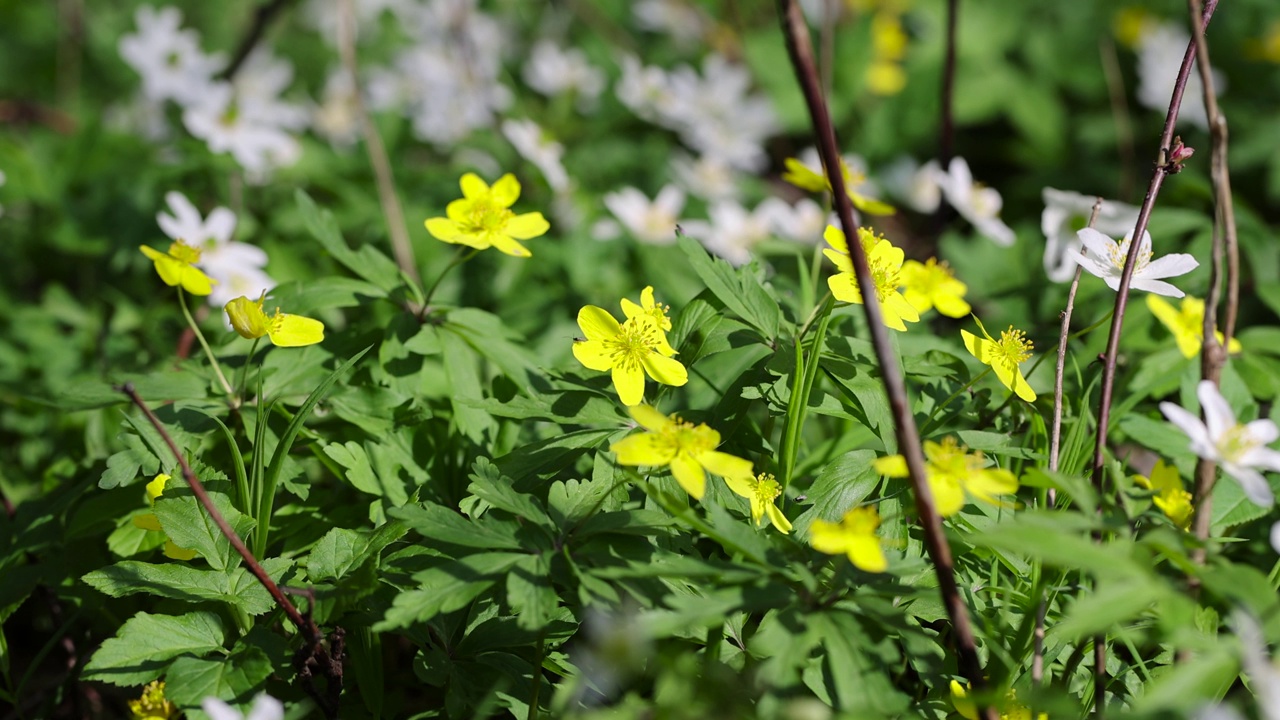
[447,587]
[231,679]
[183,582]
[187,524]
[142,648]
[367,262]
[1109,604]
[737,288]
[341,551]
[488,484]
[843,483]
[530,593]
[447,526]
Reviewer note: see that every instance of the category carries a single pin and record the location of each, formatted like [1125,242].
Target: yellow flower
[1267,47]
[1130,24]
[482,217]
[954,472]
[251,321]
[806,178]
[854,535]
[1171,496]
[886,271]
[1186,324]
[932,284]
[688,449]
[647,306]
[885,76]
[761,490]
[149,521]
[1012,710]
[1003,356]
[631,349]
[153,705]
[177,267]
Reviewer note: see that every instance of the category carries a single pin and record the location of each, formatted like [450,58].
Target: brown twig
[1165,165]
[1213,356]
[262,17]
[946,140]
[392,212]
[315,653]
[800,49]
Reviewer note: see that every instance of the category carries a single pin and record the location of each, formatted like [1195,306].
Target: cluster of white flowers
[677,18]
[245,117]
[552,71]
[237,267]
[714,112]
[447,82]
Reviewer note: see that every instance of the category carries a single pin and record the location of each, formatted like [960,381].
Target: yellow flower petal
[648,417]
[295,330]
[527,225]
[948,496]
[473,188]
[597,324]
[952,306]
[594,354]
[147,521]
[865,554]
[443,228]
[835,237]
[727,466]
[629,382]
[779,520]
[642,449]
[844,287]
[894,466]
[508,245]
[177,553]
[505,191]
[665,370]
[689,474]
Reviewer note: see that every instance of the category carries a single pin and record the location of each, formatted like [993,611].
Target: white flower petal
[220,225]
[1255,487]
[1263,432]
[1099,245]
[266,707]
[1275,537]
[1218,417]
[1171,265]
[1095,266]
[1157,287]
[1264,458]
[1201,443]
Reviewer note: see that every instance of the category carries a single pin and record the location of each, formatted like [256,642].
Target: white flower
[649,222]
[977,203]
[707,177]
[677,18]
[1275,537]
[644,89]
[803,222]
[533,145]
[167,57]
[236,266]
[1160,50]
[1106,260]
[264,707]
[1066,212]
[1239,449]
[913,183]
[732,232]
[234,125]
[552,71]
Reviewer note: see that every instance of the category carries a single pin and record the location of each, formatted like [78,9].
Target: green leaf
[739,289]
[351,456]
[340,550]
[530,593]
[552,454]
[443,525]
[856,681]
[1231,507]
[1063,541]
[447,587]
[368,262]
[323,293]
[188,525]
[842,484]
[1108,605]
[488,484]
[183,582]
[127,465]
[466,393]
[232,679]
[145,643]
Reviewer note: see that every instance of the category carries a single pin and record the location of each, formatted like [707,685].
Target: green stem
[801,387]
[182,300]
[244,371]
[928,424]
[459,257]
[537,674]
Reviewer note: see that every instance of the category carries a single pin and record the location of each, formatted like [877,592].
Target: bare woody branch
[800,49]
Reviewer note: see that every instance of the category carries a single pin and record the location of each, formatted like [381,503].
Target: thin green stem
[801,387]
[462,255]
[244,370]
[217,369]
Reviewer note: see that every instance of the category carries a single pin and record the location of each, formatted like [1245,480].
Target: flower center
[1235,442]
[686,437]
[635,340]
[183,252]
[489,217]
[1014,346]
[1121,251]
[888,279]
[767,489]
